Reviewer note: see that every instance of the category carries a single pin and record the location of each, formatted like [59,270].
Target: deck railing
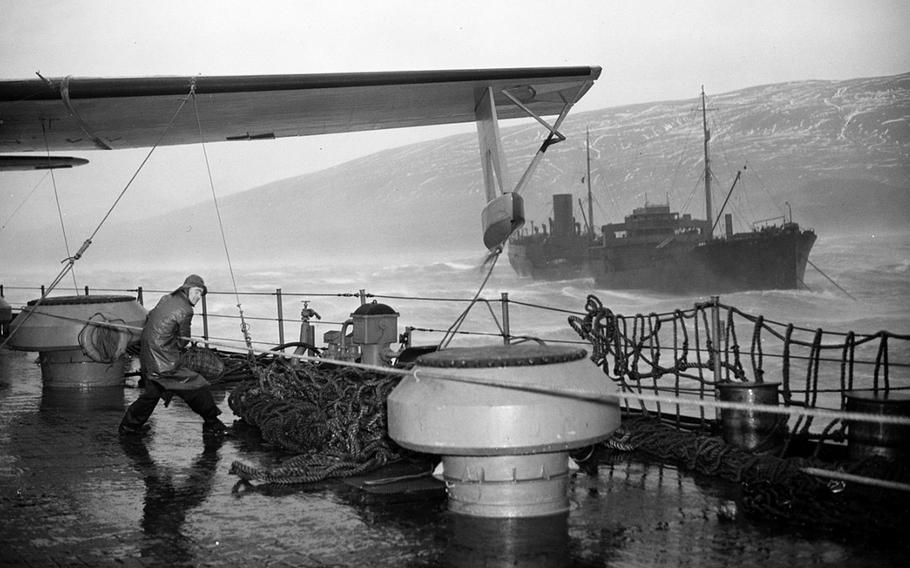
[271,307]
[684,353]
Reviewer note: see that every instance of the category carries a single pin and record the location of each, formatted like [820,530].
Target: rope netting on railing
[688,352]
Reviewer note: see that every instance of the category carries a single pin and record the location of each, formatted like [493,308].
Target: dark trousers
[199,400]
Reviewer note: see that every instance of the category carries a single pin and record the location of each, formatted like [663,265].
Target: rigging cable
[70,261]
[66,242]
[244,326]
[761,184]
[695,188]
[726,199]
[456,325]
[831,280]
[741,206]
[27,197]
[685,145]
[88,241]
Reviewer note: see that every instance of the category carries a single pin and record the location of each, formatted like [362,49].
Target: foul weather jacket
[167,323]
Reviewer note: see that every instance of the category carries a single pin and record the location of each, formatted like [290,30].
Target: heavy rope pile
[333,417]
[678,352]
[238,367]
[778,489]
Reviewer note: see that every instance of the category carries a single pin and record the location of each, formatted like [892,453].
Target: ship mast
[709,214]
[590,200]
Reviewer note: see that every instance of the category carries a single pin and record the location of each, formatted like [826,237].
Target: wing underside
[86,113]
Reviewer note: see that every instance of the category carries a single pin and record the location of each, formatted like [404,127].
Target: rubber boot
[132,425]
[214,427]
[137,414]
[203,404]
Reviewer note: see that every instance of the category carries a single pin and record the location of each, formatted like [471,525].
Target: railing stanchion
[506,332]
[205,319]
[280,317]
[715,337]
[715,349]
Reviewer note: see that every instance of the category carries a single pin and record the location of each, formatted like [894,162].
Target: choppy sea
[863,286]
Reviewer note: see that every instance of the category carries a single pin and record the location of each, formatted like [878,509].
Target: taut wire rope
[244,326]
[27,197]
[456,325]
[66,242]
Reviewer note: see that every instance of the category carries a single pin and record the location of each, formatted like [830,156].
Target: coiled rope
[798,491]
[104,340]
[333,416]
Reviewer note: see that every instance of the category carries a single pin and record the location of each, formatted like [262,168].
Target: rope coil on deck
[784,489]
[334,417]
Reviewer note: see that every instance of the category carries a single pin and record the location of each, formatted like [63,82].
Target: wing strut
[553,138]
[504,211]
[493,160]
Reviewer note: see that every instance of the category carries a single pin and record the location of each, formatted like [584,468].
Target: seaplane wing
[113,113]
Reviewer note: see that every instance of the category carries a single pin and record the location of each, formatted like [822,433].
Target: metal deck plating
[71,493]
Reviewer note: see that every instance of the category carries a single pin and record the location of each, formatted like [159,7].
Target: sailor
[164,337]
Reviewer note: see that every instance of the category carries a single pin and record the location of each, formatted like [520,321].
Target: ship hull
[551,259]
[763,260]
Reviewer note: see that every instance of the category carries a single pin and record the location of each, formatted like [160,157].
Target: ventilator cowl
[504,419]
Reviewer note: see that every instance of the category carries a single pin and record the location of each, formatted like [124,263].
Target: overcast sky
[649,50]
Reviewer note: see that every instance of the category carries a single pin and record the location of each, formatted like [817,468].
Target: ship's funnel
[563,215]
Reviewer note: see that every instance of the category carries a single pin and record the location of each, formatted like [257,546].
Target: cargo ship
[655,248]
[658,249]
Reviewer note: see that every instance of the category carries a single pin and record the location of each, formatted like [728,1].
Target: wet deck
[73,494]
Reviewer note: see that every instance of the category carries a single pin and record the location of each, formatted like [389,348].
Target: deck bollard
[63,330]
[867,439]
[749,429]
